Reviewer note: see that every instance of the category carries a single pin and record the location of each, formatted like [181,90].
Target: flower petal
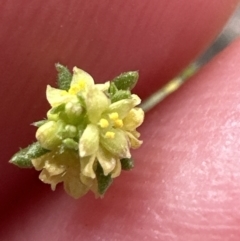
[54,168]
[135,143]
[103,87]
[122,107]
[89,141]
[74,187]
[106,160]
[87,181]
[117,170]
[96,103]
[117,145]
[136,99]
[87,166]
[57,97]
[91,183]
[39,162]
[45,177]
[136,133]
[133,119]
[81,81]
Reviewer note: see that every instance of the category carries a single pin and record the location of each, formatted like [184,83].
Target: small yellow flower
[64,167]
[107,129]
[84,129]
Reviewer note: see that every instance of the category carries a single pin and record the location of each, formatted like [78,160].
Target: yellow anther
[118,123]
[103,123]
[110,135]
[113,116]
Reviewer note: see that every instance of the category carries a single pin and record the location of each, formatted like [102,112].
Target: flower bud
[70,130]
[73,111]
[46,135]
[51,116]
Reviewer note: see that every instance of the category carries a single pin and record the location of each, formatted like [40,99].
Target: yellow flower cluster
[85,132]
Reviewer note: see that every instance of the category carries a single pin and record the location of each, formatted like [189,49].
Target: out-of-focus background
[230,32]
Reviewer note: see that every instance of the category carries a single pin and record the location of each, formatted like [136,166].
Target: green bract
[64,77]
[24,157]
[85,140]
[126,81]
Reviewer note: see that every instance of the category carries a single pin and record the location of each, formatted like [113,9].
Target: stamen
[110,135]
[118,123]
[103,123]
[113,116]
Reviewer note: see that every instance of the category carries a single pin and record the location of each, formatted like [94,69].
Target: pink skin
[186,183]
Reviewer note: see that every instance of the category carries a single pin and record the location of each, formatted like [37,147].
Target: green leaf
[64,77]
[120,95]
[127,163]
[24,156]
[104,182]
[126,81]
